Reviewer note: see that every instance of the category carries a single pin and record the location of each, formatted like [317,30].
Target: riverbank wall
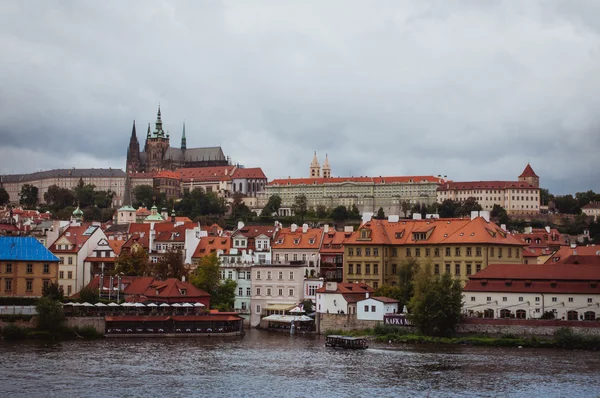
[347,322]
[96,322]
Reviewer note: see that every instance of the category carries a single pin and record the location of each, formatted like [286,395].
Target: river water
[268,364]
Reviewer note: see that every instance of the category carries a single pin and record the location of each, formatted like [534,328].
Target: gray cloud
[469,89]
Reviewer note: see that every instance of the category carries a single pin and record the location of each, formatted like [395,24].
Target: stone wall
[97,323]
[525,327]
[345,322]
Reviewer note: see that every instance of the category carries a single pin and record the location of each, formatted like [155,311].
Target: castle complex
[159,155]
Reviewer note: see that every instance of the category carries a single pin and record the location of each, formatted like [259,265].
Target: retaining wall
[97,323]
[524,327]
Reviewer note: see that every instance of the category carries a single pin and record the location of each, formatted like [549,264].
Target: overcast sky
[469,89]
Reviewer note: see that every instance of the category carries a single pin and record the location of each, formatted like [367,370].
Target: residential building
[103,180]
[26,267]
[298,246]
[592,209]
[158,154]
[254,241]
[525,291]
[461,247]
[341,298]
[276,289]
[72,247]
[311,285]
[516,197]
[332,253]
[374,308]
[224,180]
[541,243]
[103,258]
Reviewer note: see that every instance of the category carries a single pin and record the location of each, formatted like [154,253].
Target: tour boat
[356,343]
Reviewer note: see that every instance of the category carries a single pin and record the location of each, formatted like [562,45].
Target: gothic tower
[183,139]
[529,176]
[133,153]
[326,168]
[157,144]
[315,168]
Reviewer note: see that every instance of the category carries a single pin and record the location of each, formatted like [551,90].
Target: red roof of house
[469,185]
[355,180]
[348,288]
[592,205]
[116,245]
[146,288]
[528,172]
[385,299]
[286,239]
[216,173]
[566,251]
[168,174]
[212,244]
[252,172]
[75,235]
[333,241]
[252,231]
[174,234]
[576,259]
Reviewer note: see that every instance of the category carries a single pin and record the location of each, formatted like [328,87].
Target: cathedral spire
[148,134]
[159,130]
[133,136]
[183,139]
[315,168]
[326,168]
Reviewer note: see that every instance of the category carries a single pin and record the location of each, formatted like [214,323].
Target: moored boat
[356,343]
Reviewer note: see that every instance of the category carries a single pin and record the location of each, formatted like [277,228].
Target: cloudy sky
[470,89]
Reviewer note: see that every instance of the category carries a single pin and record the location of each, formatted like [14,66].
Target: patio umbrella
[139,305]
[101,305]
[152,305]
[86,304]
[176,305]
[198,305]
[187,305]
[67,304]
[76,304]
[127,305]
[164,305]
[113,305]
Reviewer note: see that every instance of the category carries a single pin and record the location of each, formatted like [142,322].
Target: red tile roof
[168,174]
[174,234]
[348,288]
[469,185]
[385,299]
[355,180]
[592,205]
[216,173]
[116,245]
[146,288]
[252,231]
[253,172]
[75,235]
[528,172]
[585,260]
[297,240]
[333,241]
[212,244]
[566,251]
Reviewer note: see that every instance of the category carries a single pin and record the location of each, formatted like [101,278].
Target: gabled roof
[581,260]
[592,205]
[175,234]
[469,185]
[24,248]
[528,172]
[216,173]
[116,245]
[566,251]
[252,172]
[348,288]
[76,236]
[146,288]
[333,241]
[252,231]
[385,300]
[212,244]
[354,180]
[297,240]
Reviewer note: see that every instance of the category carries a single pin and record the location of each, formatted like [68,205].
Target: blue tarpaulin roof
[24,248]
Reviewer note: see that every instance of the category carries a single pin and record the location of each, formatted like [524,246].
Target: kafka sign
[395,320]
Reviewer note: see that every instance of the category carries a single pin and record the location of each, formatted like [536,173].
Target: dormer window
[311,241]
[183,292]
[399,235]
[279,241]
[419,236]
[297,241]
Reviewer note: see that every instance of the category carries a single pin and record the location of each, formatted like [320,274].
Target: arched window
[589,316]
[504,313]
[489,313]
[521,314]
[572,316]
[240,187]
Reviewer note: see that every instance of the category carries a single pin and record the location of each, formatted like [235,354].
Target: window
[70,275]
[358,270]
[457,269]
[291,275]
[229,275]
[29,285]
[491,252]
[375,269]
[366,308]
[537,299]
[367,269]
[510,252]
[9,268]
[447,268]
[427,252]
[258,309]
[62,260]
[436,269]
[376,252]
[436,252]
[61,275]
[258,291]
[504,299]
[457,251]
[554,299]
[350,268]
[268,275]
[351,251]
[570,299]
[221,274]
[8,285]
[589,300]
[375,285]
[70,260]
[248,292]
[477,267]
[268,291]
[280,275]
[277,257]
[240,291]
[468,269]
[488,298]
[394,269]
[499,252]
[295,256]
[478,251]
[367,251]
[417,252]
[394,252]
[373,309]
[520,298]
[469,252]
[69,290]
[290,292]
[285,257]
[472,298]
[242,275]
[280,292]
[448,252]
[30,268]
[358,251]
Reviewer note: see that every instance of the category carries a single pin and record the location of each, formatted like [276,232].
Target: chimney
[293,228]
[240,225]
[485,214]
[548,228]
[331,286]
[416,216]
[474,214]
[503,226]
[304,228]
[367,295]
[326,228]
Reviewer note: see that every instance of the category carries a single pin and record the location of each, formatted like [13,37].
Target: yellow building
[26,267]
[460,247]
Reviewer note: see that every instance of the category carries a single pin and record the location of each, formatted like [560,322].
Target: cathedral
[159,155]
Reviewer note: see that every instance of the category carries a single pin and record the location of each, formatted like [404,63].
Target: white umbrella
[404,310]
[198,305]
[176,305]
[139,305]
[127,304]
[187,305]
[86,304]
[113,305]
[164,305]
[101,305]
[69,304]
[152,305]
[76,304]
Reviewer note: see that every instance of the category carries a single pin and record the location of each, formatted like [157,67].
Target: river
[268,364]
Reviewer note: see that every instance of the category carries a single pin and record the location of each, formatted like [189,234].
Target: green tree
[207,277]
[545,197]
[405,207]
[50,315]
[500,214]
[4,197]
[239,210]
[354,213]
[300,207]
[321,212]
[171,265]
[390,291]
[53,291]
[103,199]
[65,213]
[272,207]
[406,275]
[435,307]
[84,195]
[144,195]
[133,263]
[58,198]
[567,204]
[340,213]
[89,295]
[380,214]
[448,209]
[583,198]
[308,305]
[28,196]
[199,203]
[469,205]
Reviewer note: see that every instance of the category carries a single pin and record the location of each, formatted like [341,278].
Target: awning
[280,307]
[287,318]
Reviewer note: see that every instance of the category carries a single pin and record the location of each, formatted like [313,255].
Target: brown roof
[252,231]
[356,180]
[333,241]
[528,172]
[216,173]
[212,244]
[153,289]
[566,251]
[116,245]
[252,172]
[576,259]
[385,299]
[468,185]
[348,288]
[75,235]
[286,239]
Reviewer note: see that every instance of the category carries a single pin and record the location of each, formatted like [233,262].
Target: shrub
[88,332]
[14,332]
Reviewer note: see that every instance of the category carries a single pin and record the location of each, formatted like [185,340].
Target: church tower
[529,176]
[133,153]
[315,168]
[183,139]
[326,168]
[157,144]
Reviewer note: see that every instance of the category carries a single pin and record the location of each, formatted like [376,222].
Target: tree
[84,195]
[435,307]
[308,305]
[4,197]
[567,204]
[272,207]
[53,291]
[199,203]
[469,205]
[545,197]
[380,214]
[144,195]
[500,214]
[58,198]
[354,213]
[448,208]
[89,295]
[406,274]
[28,195]
[132,263]
[405,207]
[300,207]
[340,214]
[207,277]
[103,199]
[239,210]
[171,265]
[321,211]
[50,315]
